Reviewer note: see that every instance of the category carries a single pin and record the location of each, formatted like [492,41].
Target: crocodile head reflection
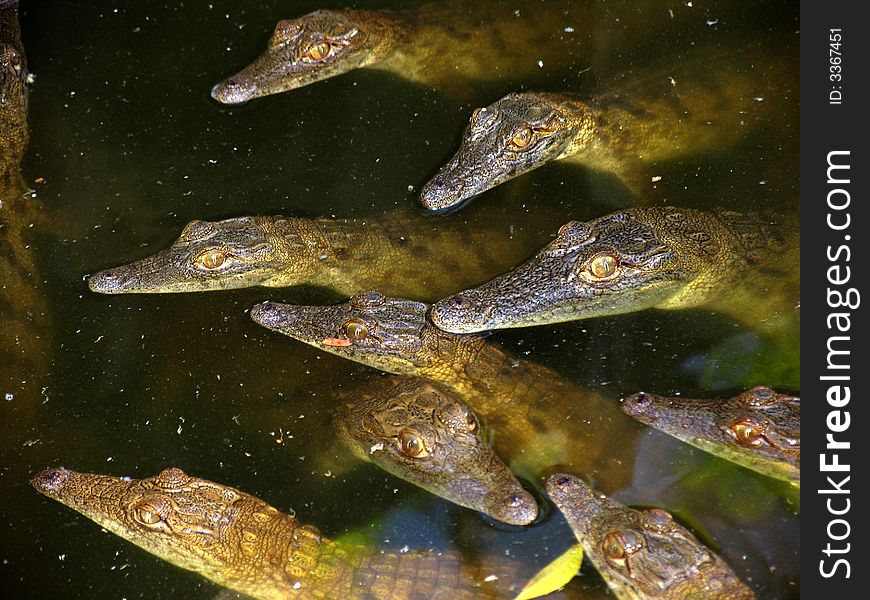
[759,428]
[216,255]
[642,554]
[312,48]
[512,136]
[424,434]
[623,262]
[389,334]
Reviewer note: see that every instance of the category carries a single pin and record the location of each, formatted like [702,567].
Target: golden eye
[355,330]
[412,445]
[212,259]
[603,266]
[614,550]
[318,51]
[747,433]
[147,517]
[522,139]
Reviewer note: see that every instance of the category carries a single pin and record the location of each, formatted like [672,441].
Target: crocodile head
[510,137]
[424,434]
[314,47]
[616,264]
[759,428]
[217,255]
[642,553]
[389,334]
[190,522]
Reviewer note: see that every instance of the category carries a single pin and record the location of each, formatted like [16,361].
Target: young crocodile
[759,429]
[423,433]
[643,555]
[397,251]
[747,265]
[660,113]
[538,419]
[438,45]
[240,542]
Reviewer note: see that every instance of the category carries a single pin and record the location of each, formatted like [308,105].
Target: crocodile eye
[318,51]
[603,266]
[148,515]
[211,259]
[356,330]
[471,422]
[412,444]
[614,550]
[747,433]
[522,139]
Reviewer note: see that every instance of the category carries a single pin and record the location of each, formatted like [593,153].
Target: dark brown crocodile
[445,45]
[643,554]
[241,542]
[759,429]
[424,433]
[399,251]
[744,264]
[24,327]
[538,419]
[648,115]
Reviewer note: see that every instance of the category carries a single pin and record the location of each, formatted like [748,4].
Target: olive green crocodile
[444,45]
[646,116]
[643,555]
[538,419]
[240,542]
[759,429]
[399,251]
[424,433]
[24,329]
[747,265]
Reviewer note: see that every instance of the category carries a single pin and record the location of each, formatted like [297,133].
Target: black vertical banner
[835,227]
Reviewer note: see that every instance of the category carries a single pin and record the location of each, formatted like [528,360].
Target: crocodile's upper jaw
[179,518]
[354,330]
[610,266]
[312,48]
[759,428]
[642,554]
[450,454]
[512,136]
[219,255]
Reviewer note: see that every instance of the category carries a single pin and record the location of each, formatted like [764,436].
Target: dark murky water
[127,147]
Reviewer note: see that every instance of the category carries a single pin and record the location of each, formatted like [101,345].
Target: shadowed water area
[126,147]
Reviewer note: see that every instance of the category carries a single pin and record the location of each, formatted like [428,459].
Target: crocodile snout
[231,91]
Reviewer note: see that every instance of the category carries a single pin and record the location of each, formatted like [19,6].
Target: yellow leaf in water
[555,575]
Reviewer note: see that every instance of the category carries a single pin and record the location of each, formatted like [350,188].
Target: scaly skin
[643,555]
[679,109]
[240,542]
[747,265]
[759,429]
[399,251]
[439,45]
[538,419]
[24,328]
[423,433]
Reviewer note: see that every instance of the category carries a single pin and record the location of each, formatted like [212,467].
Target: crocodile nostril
[640,399]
